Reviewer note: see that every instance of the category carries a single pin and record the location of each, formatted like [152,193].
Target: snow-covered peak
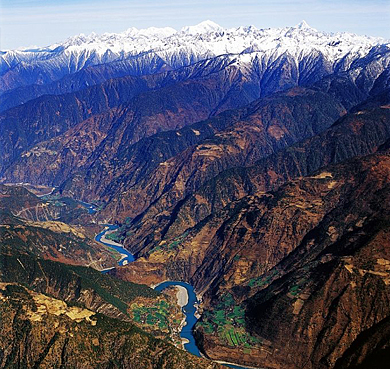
[157,32]
[304,26]
[203,27]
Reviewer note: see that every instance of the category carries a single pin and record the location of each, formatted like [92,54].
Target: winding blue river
[189,309]
[90,207]
[129,256]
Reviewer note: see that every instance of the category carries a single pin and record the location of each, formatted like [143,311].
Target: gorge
[249,166]
[189,308]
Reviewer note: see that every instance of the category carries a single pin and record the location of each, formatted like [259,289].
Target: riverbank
[182,296]
[110,242]
[182,300]
[113,243]
[126,256]
[107,269]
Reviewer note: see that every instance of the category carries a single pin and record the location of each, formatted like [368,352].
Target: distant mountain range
[305,53]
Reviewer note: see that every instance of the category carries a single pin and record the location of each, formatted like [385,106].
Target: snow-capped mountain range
[205,39]
[153,50]
[208,38]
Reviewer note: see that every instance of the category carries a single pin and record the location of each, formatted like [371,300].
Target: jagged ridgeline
[251,163]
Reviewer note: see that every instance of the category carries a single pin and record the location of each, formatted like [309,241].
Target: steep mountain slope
[270,125]
[286,237]
[120,181]
[233,160]
[74,316]
[54,314]
[350,73]
[110,133]
[40,331]
[89,144]
[126,105]
[49,116]
[54,241]
[88,78]
[37,227]
[313,249]
[24,204]
[339,290]
[358,133]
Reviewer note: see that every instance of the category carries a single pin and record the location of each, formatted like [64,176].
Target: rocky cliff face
[305,255]
[341,260]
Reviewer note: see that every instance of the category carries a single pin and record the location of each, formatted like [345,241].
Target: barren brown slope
[312,257]
[358,133]
[335,285]
[96,143]
[271,124]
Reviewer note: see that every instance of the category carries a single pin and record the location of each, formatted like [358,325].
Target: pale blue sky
[43,22]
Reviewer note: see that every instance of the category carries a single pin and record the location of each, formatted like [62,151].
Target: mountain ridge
[173,50]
